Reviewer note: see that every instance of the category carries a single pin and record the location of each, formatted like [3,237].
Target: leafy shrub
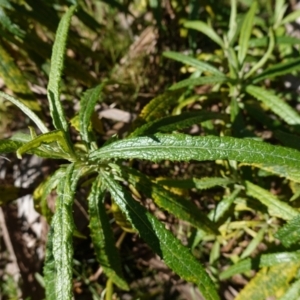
[157,136]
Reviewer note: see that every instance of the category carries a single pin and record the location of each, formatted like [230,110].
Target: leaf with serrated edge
[57,62]
[102,235]
[289,233]
[182,147]
[199,65]
[30,114]
[278,106]
[48,138]
[8,146]
[181,208]
[279,69]
[275,206]
[63,227]
[87,105]
[174,254]
[265,260]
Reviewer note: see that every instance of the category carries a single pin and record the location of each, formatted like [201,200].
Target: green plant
[154,138]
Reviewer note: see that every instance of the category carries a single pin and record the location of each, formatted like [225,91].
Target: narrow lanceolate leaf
[158,107]
[199,81]
[57,63]
[269,282]
[87,105]
[63,227]
[246,32]
[27,111]
[102,236]
[49,268]
[289,234]
[279,107]
[180,207]
[188,60]
[56,136]
[223,206]
[174,254]
[205,29]
[180,147]
[182,121]
[279,70]
[265,260]
[276,207]
[197,183]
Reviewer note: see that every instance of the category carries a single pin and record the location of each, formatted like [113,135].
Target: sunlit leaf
[265,260]
[182,147]
[188,60]
[245,33]
[289,234]
[269,282]
[57,63]
[276,207]
[278,106]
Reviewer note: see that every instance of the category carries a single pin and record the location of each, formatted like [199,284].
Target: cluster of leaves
[157,136]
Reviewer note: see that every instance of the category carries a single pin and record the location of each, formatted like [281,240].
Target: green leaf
[188,60]
[8,146]
[56,136]
[264,260]
[279,107]
[102,235]
[11,27]
[44,189]
[174,254]
[197,183]
[178,206]
[50,271]
[180,147]
[63,227]
[293,292]
[199,81]
[205,29]
[276,207]
[254,243]
[157,107]
[269,282]
[279,69]
[223,206]
[182,121]
[280,40]
[27,111]
[291,17]
[246,32]
[232,22]
[289,234]
[265,57]
[87,105]
[57,62]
